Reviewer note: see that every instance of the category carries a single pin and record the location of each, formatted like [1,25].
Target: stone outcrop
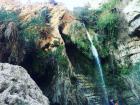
[128,40]
[132,15]
[128,52]
[132,92]
[17,87]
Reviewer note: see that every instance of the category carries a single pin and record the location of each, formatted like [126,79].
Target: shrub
[49,61]
[6,16]
[109,5]
[30,29]
[60,58]
[86,16]
[103,19]
[108,23]
[78,37]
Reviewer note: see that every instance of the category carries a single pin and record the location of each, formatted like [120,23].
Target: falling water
[95,54]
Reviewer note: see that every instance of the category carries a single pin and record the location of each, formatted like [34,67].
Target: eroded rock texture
[17,87]
[128,51]
[128,41]
[132,15]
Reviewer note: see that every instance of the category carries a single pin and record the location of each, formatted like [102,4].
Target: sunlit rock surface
[128,41]
[17,87]
[132,15]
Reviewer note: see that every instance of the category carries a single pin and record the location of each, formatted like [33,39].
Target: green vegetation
[86,16]
[108,20]
[42,61]
[78,37]
[104,21]
[124,70]
[6,16]
[129,68]
[109,5]
[83,45]
[30,30]
[60,58]
[49,61]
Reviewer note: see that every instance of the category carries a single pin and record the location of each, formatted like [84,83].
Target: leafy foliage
[49,61]
[109,5]
[6,16]
[78,37]
[86,16]
[30,29]
[60,58]
[108,21]
[105,22]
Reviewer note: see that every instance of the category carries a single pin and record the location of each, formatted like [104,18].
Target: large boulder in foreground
[17,87]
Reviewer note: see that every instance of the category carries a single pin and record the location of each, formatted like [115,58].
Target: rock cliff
[128,48]
[56,53]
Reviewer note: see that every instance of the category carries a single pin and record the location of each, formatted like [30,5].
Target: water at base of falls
[95,54]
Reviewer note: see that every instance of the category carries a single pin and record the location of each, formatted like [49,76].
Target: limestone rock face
[128,51]
[52,38]
[128,42]
[132,92]
[17,87]
[132,15]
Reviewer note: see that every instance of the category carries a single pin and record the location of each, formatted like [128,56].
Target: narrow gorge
[68,52]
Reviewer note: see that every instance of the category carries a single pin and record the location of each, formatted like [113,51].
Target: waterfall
[95,54]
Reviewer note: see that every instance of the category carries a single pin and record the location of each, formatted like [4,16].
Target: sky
[70,4]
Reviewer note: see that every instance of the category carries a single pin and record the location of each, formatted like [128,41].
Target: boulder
[17,87]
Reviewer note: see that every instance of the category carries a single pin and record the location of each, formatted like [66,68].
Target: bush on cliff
[6,16]
[48,62]
[31,29]
[104,21]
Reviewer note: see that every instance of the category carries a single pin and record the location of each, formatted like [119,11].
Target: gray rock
[133,86]
[17,87]
[132,15]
